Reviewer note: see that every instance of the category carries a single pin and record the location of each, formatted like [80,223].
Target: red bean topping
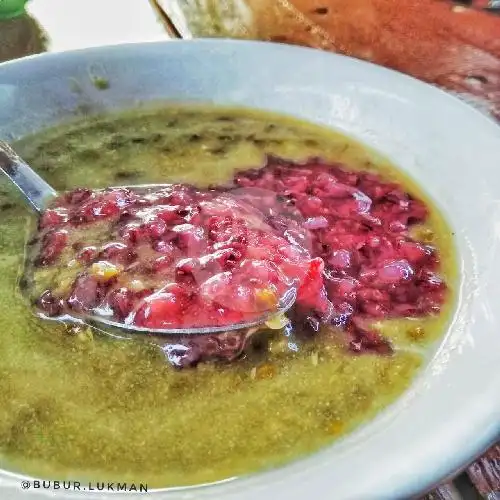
[341,238]
[53,244]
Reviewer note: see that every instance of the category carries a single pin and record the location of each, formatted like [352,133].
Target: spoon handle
[32,186]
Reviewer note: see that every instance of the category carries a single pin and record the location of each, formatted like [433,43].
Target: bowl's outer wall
[452,411]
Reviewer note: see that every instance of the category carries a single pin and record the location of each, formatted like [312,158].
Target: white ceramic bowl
[452,411]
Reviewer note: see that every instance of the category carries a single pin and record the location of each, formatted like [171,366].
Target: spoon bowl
[38,194]
[101,321]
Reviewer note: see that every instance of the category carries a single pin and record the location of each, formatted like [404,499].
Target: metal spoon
[38,193]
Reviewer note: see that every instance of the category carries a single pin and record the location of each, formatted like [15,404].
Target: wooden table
[56,25]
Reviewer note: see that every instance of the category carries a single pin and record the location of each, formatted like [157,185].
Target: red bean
[50,305]
[121,302]
[53,244]
[53,217]
[85,294]
[160,310]
[118,253]
[88,254]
